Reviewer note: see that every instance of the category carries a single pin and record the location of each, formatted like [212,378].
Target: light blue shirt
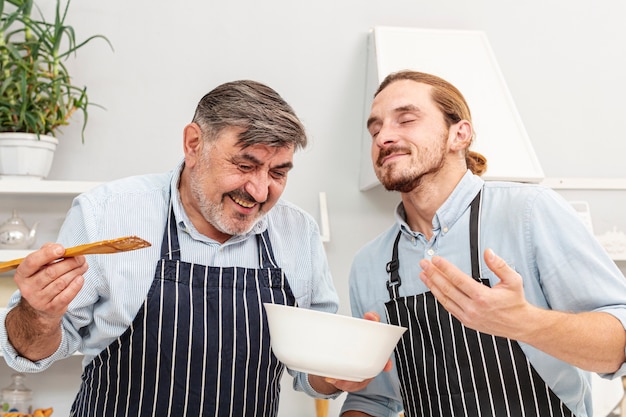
[116,285]
[538,233]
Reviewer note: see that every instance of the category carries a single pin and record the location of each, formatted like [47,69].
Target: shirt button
[430,252]
[445,230]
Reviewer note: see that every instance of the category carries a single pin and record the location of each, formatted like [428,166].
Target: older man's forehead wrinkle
[256,161]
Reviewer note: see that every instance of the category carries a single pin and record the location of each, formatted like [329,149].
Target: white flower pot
[25,156]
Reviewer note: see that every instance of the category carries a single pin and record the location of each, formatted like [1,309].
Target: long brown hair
[451,103]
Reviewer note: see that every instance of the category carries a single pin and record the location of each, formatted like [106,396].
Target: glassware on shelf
[15,234]
[16,397]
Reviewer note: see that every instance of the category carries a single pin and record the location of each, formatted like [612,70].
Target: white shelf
[585,183]
[41,189]
[44,187]
[8,254]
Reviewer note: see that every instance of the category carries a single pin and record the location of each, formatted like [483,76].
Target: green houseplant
[37,95]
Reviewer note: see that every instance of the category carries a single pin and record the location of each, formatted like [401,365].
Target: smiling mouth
[390,153]
[242,203]
[388,157]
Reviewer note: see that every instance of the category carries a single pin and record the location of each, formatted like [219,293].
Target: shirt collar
[183,222]
[452,209]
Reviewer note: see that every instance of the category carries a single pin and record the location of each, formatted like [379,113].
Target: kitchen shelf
[45,187]
[585,183]
[8,254]
[55,194]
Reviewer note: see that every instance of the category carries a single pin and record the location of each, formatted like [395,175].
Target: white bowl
[330,345]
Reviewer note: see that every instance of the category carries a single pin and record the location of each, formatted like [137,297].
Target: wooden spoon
[121,244]
[321,407]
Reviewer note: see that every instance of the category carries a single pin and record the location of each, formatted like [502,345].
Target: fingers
[444,275]
[48,284]
[371,316]
[62,288]
[55,286]
[448,284]
[352,386]
[438,268]
[499,266]
[48,253]
[348,386]
[47,276]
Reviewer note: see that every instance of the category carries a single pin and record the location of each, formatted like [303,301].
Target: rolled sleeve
[301,383]
[21,364]
[620,314]
[377,406]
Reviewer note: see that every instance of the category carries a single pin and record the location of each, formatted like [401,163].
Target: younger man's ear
[461,135]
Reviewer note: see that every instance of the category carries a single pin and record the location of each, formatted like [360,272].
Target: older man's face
[233,187]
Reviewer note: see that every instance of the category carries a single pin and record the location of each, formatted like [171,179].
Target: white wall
[564,62]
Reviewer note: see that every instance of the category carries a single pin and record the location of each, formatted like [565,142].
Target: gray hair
[263,114]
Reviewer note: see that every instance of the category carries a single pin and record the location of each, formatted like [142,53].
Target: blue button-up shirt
[537,232]
[116,286]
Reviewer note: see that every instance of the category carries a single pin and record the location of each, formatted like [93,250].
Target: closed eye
[374,129]
[245,167]
[278,175]
[406,119]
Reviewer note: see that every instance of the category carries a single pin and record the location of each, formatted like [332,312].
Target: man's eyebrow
[256,161]
[408,107]
[286,165]
[401,109]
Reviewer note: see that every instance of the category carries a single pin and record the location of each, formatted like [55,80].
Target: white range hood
[465,59]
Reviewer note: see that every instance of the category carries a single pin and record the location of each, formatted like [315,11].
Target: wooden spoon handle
[121,244]
[9,265]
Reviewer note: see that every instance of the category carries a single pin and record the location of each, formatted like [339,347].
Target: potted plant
[36,91]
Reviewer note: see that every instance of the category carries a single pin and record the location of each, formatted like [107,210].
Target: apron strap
[266,253]
[170,249]
[392,268]
[475,236]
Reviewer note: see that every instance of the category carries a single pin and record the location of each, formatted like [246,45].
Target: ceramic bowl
[330,345]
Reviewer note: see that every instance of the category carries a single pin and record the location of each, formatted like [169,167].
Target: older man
[179,328]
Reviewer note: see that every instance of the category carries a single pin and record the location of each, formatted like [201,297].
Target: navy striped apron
[199,345]
[447,369]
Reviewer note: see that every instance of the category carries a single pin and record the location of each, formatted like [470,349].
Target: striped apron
[446,369]
[199,345]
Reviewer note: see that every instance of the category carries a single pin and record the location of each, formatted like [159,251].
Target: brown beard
[410,179]
[403,184]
